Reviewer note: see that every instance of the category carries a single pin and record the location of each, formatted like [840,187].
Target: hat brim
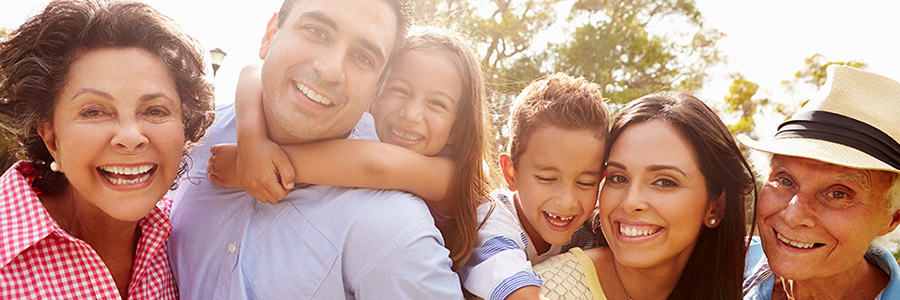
[820,150]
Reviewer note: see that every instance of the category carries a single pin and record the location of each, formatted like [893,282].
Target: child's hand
[266,171]
[222,165]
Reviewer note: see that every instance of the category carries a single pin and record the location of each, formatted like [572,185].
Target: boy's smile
[556,179]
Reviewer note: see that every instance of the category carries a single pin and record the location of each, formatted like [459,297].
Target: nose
[633,201]
[412,111]
[329,64]
[798,212]
[566,199]
[129,137]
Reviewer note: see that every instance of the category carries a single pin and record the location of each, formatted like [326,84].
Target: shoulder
[364,129]
[754,253]
[392,212]
[883,258]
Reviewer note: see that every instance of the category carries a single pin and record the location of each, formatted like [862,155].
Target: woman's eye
[617,179]
[92,112]
[157,112]
[666,183]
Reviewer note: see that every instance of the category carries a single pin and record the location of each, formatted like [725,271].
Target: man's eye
[364,59]
[839,194]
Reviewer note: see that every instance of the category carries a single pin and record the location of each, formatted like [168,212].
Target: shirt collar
[23,219]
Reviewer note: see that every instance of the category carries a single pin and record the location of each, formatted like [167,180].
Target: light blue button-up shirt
[320,242]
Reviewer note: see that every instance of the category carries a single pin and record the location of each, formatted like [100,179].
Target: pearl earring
[712,221]
[54,167]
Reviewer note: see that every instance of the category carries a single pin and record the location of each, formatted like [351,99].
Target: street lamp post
[216,56]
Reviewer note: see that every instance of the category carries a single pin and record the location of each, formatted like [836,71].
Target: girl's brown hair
[715,267]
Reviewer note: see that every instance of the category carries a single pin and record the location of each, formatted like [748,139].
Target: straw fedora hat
[853,121]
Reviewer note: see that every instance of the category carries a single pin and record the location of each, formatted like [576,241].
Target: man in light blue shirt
[322,64]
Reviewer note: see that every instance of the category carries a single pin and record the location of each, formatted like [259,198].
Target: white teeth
[120,181]
[561,218]
[313,95]
[406,136]
[633,232]
[553,219]
[127,170]
[795,244]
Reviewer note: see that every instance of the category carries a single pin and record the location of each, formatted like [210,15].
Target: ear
[45,130]
[509,173]
[715,211]
[271,30]
[895,220]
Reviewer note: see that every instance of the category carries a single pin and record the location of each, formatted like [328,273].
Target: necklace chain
[627,295]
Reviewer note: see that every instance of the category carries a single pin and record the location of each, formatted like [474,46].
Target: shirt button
[232,248]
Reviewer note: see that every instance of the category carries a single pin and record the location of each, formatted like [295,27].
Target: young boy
[553,171]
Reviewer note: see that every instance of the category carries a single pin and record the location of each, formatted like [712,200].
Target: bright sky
[767,40]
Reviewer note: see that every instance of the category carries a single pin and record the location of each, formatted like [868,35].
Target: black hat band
[827,126]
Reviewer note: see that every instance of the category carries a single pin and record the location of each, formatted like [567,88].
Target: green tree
[502,31]
[740,99]
[620,45]
[813,71]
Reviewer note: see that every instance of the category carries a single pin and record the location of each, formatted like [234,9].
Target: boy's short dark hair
[558,100]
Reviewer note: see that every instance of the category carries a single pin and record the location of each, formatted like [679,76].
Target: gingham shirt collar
[23,219]
[25,222]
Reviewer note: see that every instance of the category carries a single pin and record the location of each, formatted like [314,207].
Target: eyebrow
[107,96]
[80,92]
[366,43]
[651,168]
[855,176]
[654,168]
[858,177]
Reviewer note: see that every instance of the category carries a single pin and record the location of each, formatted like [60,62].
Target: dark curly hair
[36,58]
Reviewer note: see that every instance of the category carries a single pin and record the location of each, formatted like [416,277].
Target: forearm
[249,114]
[369,164]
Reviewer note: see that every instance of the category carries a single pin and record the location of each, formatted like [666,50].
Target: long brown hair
[715,267]
[470,143]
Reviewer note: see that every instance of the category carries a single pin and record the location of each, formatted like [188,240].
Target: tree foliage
[813,71]
[621,44]
[740,99]
[743,99]
[501,31]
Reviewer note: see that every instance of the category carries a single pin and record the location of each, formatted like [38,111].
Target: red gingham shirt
[38,260]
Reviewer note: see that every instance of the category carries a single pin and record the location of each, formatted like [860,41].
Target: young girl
[431,105]
[671,209]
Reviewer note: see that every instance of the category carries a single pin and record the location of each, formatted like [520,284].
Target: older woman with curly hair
[104,100]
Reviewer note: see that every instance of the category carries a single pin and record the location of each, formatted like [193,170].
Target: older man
[321,242]
[832,185]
